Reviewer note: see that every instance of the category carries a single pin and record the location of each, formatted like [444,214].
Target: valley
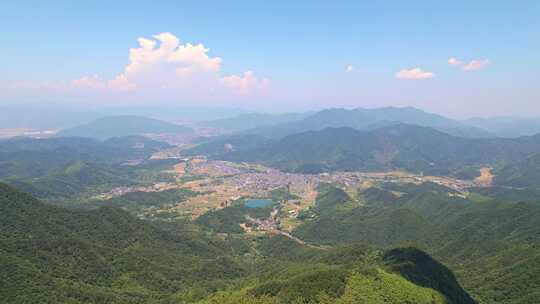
[220,184]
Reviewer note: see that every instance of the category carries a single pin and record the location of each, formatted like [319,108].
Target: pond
[258,202]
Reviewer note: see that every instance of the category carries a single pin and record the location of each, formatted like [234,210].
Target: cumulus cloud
[414,74]
[476,64]
[454,61]
[164,62]
[349,68]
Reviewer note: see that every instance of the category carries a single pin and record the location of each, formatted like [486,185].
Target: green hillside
[53,255]
[492,245]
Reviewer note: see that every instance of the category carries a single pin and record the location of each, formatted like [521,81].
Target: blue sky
[297,53]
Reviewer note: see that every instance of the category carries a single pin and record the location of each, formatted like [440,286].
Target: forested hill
[402,146]
[118,126]
[54,255]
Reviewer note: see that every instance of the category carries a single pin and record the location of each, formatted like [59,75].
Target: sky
[456,58]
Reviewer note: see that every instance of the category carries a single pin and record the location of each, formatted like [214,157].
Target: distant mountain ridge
[119,126]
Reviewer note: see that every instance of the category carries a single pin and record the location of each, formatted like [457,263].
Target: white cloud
[163,62]
[349,68]
[476,64]
[454,61]
[414,74]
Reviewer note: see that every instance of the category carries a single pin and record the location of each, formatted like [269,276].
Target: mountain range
[365,119]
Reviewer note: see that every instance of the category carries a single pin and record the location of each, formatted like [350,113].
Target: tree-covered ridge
[369,119]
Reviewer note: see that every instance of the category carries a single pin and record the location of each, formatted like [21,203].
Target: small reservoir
[258,202]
